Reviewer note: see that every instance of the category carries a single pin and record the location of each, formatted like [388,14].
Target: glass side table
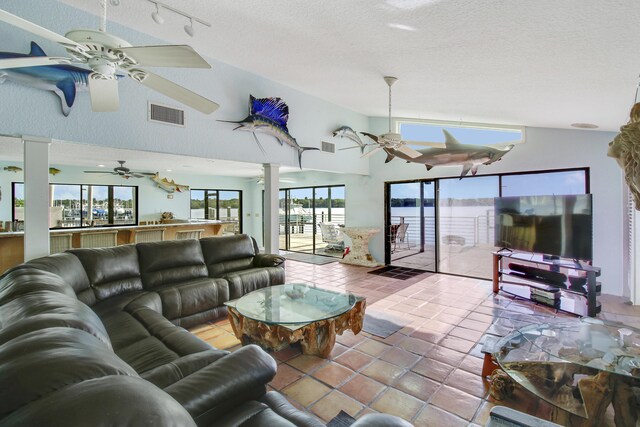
[578,366]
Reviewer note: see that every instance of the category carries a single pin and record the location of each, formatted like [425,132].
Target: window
[223,205]
[80,205]
[466,133]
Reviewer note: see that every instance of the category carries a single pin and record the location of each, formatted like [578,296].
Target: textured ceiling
[537,63]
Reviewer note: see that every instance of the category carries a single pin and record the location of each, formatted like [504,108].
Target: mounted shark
[270,116]
[347,132]
[168,186]
[454,153]
[63,80]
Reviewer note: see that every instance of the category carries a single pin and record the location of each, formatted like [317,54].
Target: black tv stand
[567,285]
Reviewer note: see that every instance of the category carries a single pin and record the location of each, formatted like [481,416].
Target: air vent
[163,114]
[328,147]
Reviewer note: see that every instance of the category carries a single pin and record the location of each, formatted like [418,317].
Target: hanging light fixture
[156,15]
[189,28]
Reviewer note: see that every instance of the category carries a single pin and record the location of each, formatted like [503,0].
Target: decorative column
[271,212]
[36,197]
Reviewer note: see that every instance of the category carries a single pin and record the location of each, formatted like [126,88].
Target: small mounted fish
[168,186]
[14,169]
[54,171]
[347,132]
[270,116]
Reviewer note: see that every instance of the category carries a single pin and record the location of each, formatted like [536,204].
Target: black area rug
[341,420]
[382,324]
[402,273]
[309,258]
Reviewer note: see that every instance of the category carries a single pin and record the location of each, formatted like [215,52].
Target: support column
[271,213]
[36,197]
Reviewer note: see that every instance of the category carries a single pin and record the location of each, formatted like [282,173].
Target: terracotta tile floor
[429,371]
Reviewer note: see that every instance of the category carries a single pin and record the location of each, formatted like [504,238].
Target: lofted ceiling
[544,63]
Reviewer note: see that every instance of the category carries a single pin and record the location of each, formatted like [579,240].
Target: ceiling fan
[393,140]
[124,171]
[107,56]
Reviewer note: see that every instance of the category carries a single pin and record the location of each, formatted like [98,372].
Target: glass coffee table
[276,316]
[578,366]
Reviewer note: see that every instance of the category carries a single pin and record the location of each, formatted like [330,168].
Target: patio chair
[399,234]
[332,236]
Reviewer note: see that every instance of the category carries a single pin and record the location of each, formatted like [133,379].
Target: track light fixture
[188,28]
[156,16]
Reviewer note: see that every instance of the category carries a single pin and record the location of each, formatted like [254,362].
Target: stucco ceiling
[542,63]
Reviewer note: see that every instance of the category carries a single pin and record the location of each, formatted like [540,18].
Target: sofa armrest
[381,420]
[230,381]
[268,260]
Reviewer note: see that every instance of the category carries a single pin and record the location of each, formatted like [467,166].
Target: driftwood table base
[316,338]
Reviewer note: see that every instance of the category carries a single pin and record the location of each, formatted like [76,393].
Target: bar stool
[100,239]
[154,235]
[189,234]
[60,242]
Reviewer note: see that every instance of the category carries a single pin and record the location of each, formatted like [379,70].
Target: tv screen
[552,225]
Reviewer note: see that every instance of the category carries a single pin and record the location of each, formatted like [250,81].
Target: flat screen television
[559,226]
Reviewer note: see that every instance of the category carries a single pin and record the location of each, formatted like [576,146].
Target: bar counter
[12,242]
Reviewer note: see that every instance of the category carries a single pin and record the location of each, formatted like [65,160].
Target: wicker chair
[189,234]
[99,239]
[332,236]
[60,242]
[154,235]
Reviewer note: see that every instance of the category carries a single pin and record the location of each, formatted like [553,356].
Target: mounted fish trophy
[270,116]
[625,148]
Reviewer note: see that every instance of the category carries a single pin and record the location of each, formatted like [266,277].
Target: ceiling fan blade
[136,175]
[409,151]
[175,91]
[426,143]
[39,31]
[349,148]
[182,56]
[144,173]
[102,172]
[104,94]
[32,61]
[372,152]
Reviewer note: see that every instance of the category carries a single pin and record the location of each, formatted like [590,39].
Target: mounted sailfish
[63,80]
[270,116]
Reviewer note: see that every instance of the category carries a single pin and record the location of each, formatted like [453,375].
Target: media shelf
[560,283]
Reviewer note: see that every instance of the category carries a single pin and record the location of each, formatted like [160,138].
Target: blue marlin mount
[270,116]
[63,80]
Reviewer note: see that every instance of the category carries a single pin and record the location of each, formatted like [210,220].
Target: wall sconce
[188,28]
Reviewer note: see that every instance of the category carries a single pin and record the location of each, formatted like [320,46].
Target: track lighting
[189,29]
[156,15]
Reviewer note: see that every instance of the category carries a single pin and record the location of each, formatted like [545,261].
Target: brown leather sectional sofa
[93,337]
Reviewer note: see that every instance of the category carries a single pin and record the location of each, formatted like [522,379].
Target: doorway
[411,225]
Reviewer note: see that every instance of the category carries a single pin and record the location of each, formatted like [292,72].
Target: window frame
[217,191]
[110,203]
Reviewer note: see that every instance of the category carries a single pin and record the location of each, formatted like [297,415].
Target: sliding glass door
[310,220]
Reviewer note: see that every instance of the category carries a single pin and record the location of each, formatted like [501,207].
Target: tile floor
[429,371]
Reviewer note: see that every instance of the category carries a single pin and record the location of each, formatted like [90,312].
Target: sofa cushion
[169,373]
[41,362]
[224,254]
[25,280]
[245,281]
[111,271]
[167,262]
[70,269]
[193,296]
[41,310]
[113,400]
